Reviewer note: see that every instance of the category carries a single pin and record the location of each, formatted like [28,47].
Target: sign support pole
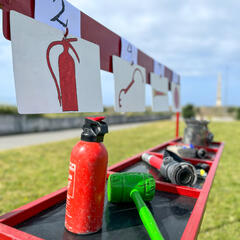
[177,124]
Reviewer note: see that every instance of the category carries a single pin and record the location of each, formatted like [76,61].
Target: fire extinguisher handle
[96,119]
[51,45]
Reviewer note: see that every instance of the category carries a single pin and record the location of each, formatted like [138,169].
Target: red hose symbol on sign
[125,90]
[67,91]
[158,93]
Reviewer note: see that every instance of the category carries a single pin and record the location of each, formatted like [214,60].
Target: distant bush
[108,111]
[231,109]
[188,111]
[12,110]
[7,109]
[34,115]
[238,114]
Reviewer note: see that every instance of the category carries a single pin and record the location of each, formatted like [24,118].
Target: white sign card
[53,74]
[129,86]
[129,52]
[176,97]
[159,93]
[59,14]
[158,68]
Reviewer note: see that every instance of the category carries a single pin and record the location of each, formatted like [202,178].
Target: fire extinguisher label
[71,180]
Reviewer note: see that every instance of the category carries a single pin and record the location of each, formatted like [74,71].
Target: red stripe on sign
[109,42]
[25,7]
[168,74]
[146,62]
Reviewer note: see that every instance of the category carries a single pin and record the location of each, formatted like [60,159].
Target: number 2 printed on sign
[56,18]
[59,14]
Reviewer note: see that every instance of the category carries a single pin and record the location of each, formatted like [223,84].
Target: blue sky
[197,39]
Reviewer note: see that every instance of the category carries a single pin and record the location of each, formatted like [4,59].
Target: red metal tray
[178,205]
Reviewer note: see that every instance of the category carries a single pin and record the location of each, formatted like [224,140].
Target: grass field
[29,173]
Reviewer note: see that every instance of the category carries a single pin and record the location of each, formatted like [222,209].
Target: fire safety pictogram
[66,89]
[125,90]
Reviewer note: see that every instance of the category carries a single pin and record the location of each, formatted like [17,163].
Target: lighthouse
[219,91]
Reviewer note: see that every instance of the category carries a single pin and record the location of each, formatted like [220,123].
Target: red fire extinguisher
[87,179]
[67,91]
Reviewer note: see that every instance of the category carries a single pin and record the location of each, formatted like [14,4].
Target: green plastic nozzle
[120,186]
[136,187]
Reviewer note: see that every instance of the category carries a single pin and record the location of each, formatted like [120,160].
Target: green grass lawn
[29,173]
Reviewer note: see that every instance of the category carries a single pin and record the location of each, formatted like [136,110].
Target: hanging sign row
[61,14]
[55,73]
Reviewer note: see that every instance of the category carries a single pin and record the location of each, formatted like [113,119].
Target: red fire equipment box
[178,210]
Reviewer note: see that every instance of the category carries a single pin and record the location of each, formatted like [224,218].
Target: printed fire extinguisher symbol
[66,89]
[176,97]
[71,180]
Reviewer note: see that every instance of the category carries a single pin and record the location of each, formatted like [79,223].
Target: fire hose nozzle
[180,173]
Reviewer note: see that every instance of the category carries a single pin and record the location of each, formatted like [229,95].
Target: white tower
[219,91]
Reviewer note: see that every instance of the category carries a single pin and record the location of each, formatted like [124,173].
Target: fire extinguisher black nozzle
[94,130]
